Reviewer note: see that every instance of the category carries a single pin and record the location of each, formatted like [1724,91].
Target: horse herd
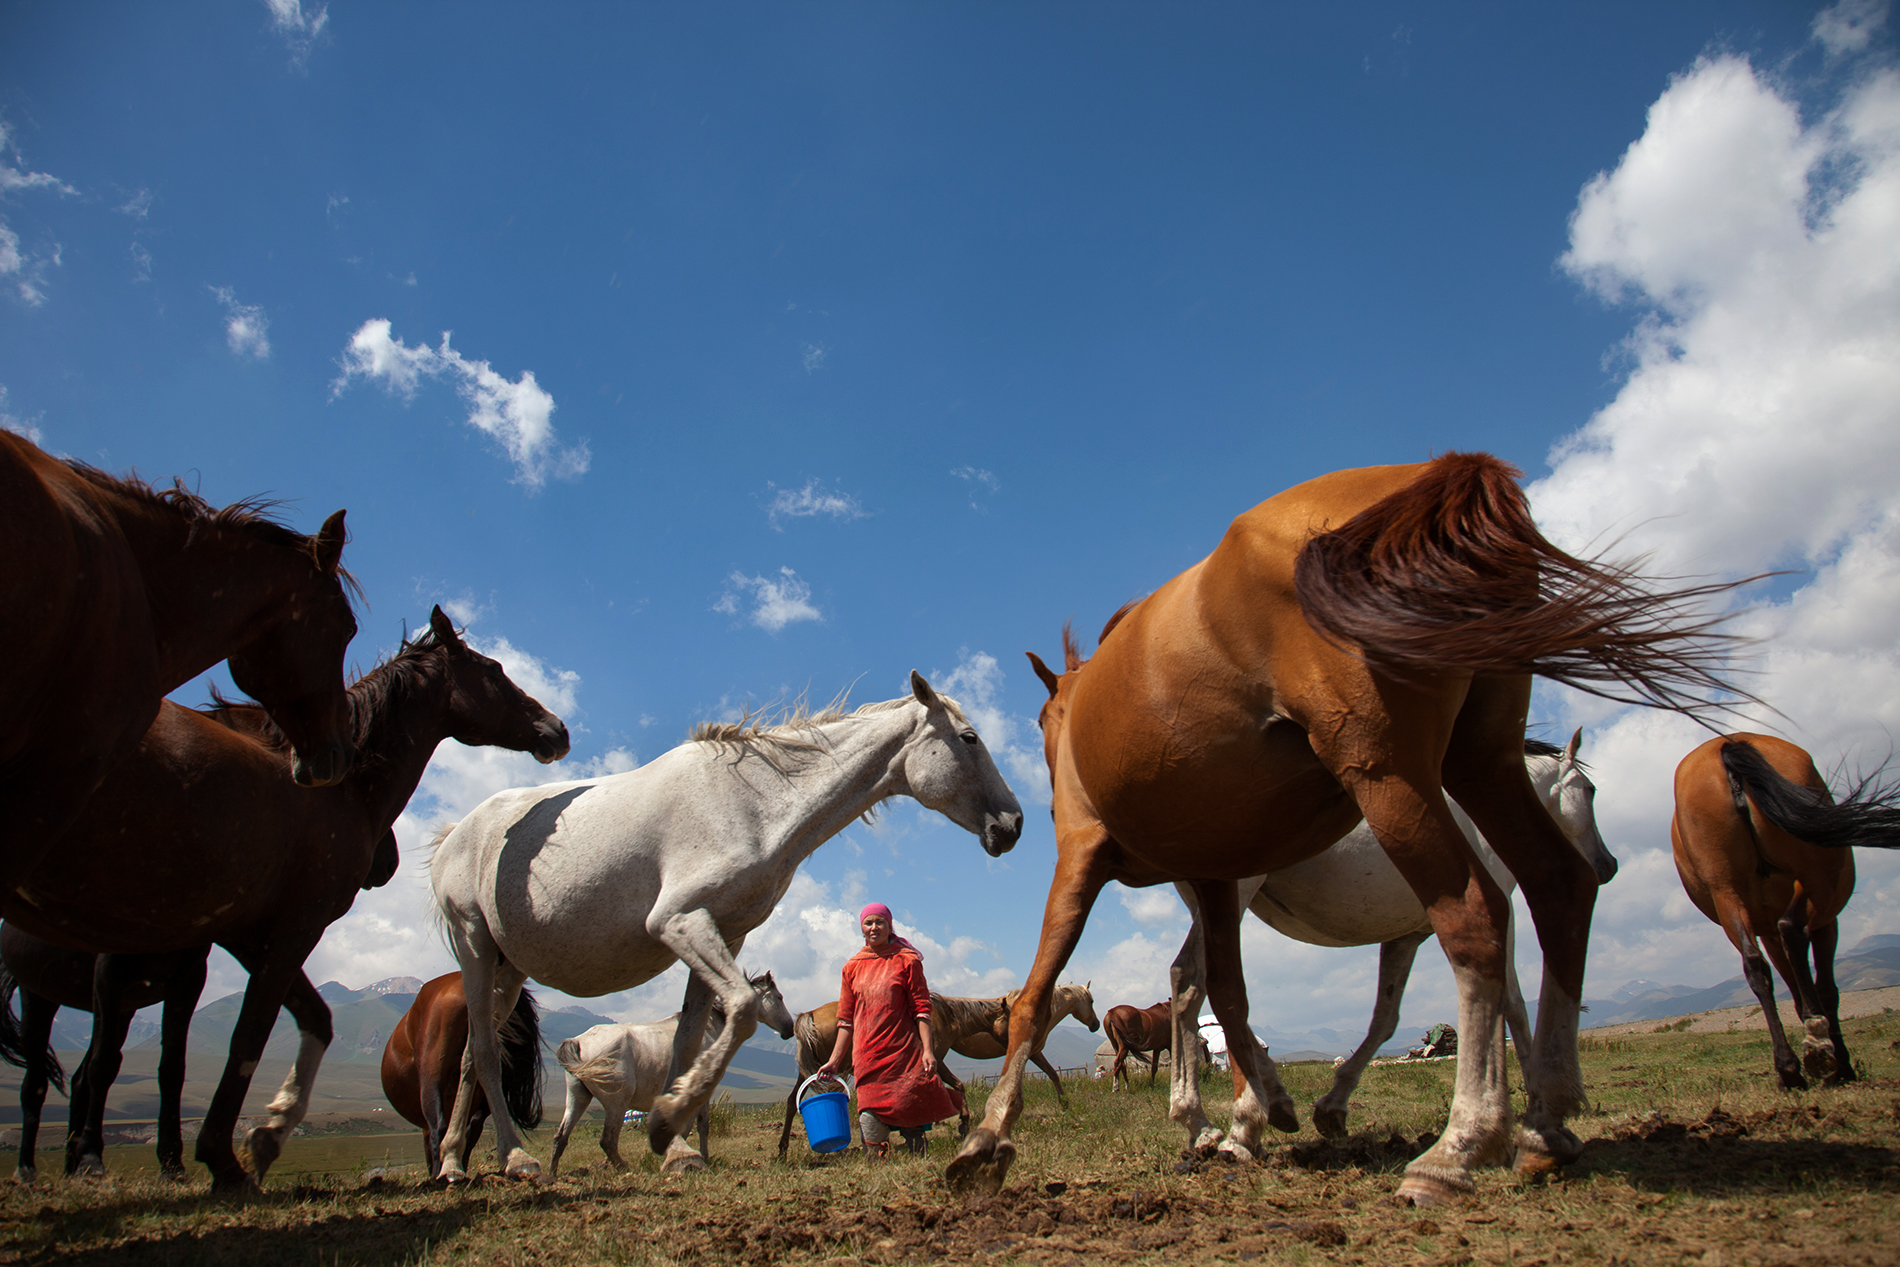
[1276,729]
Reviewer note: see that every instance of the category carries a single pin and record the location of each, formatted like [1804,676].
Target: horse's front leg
[85,1146]
[694,936]
[1395,968]
[1187,981]
[1259,1099]
[265,1143]
[491,988]
[271,974]
[36,1028]
[182,989]
[1082,868]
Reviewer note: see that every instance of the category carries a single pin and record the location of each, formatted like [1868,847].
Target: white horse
[599,885]
[1352,895]
[626,1066]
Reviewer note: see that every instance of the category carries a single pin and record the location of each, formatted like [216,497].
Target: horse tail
[602,1071]
[1450,574]
[13,1042]
[811,1054]
[520,1038]
[568,1054]
[1868,817]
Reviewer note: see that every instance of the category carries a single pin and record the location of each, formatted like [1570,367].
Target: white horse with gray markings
[599,885]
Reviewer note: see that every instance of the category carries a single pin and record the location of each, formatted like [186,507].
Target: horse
[1352,895]
[1765,851]
[976,1028]
[1356,647]
[117,594]
[422,1063]
[625,1067]
[198,836]
[1139,1031]
[598,885]
[50,977]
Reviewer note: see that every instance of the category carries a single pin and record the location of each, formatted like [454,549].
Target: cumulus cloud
[246,328]
[1759,426]
[10,421]
[810,502]
[299,29]
[25,268]
[1014,741]
[769,602]
[517,415]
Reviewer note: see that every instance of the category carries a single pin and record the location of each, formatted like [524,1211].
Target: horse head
[487,708]
[948,769]
[1083,1008]
[294,666]
[773,1014]
[1570,796]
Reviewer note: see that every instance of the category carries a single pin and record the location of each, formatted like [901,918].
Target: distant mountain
[1872,963]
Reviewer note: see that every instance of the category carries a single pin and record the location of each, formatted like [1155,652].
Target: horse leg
[85,1147]
[1755,968]
[1082,868]
[477,1119]
[1259,1099]
[1517,1021]
[704,1121]
[182,989]
[36,1029]
[265,1143]
[1828,995]
[1042,1063]
[1817,1047]
[263,996]
[688,1038]
[695,938]
[578,1100]
[1395,969]
[1187,984]
[616,1118]
[491,987]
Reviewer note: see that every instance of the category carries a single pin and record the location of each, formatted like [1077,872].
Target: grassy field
[1693,1156]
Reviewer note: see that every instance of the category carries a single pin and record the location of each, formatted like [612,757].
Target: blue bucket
[827,1118]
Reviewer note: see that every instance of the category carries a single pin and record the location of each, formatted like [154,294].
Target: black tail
[521,1063]
[1867,817]
[13,1043]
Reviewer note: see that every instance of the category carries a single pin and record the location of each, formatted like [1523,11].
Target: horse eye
[969,737]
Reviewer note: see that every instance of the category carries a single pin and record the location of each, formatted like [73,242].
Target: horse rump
[1450,574]
[1867,817]
[520,1038]
[13,1041]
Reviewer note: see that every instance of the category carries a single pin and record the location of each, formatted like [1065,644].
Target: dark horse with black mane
[200,836]
[422,1065]
[116,594]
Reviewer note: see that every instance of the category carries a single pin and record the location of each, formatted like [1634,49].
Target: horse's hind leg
[182,989]
[1259,1099]
[695,938]
[1755,969]
[578,1100]
[265,1143]
[1828,995]
[36,1028]
[270,981]
[1187,983]
[85,1147]
[491,988]
[1789,954]
[1395,969]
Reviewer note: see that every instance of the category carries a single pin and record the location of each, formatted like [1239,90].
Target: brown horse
[1766,852]
[1139,1031]
[116,594]
[50,977]
[1355,647]
[422,1065]
[200,836]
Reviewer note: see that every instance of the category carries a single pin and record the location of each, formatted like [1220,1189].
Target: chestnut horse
[422,1065]
[116,594]
[1356,647]
[1766,852]
[200,836]
[1138,1031]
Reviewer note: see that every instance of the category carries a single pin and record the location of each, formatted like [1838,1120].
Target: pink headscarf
[878,908]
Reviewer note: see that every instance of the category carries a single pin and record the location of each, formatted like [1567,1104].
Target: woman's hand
[930,1062]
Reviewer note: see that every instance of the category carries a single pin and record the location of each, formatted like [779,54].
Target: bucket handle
[799,1095]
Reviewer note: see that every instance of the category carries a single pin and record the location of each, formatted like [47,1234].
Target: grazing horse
[116,594]
[599,885]
[1355,647]
[625,1067]
[200,836]
[976,1028]
[50,977]
[422,1064]
[1352,895]
[1139,1031]
[1766,852]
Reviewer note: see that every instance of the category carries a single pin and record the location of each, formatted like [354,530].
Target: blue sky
[789,348]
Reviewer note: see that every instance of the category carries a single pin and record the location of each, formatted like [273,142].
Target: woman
[884,1036]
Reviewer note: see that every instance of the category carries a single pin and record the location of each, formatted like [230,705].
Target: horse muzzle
[322,765]
[1606,868]
[550,742]
[1001,832]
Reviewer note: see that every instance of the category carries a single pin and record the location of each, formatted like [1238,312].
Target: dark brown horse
[1766,852]
[422,1065]
[116,594]
[50,977]
[1140,1031]
[200,835]
[1357,646]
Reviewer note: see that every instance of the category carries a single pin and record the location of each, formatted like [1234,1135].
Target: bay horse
[1766,852]
[1356,647]
[625,1067]
[200,836]
[422,1064]
[1352,895]
[1140,1031]
[116,594]
[596,886]
[976,1028]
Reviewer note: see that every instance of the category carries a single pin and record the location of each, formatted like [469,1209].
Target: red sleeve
[919,989]
[847,999]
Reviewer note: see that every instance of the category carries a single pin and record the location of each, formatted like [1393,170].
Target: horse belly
[1350,895]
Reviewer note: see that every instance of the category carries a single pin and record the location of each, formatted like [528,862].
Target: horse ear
[1570,749]
[330,539]
[921,689]
[1049,679]
[444,630]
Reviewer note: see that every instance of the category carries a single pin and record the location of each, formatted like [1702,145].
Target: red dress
[882,997]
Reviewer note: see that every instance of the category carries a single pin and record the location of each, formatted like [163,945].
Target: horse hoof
[1234,1151]
[91,1166]
[982,1165]
[264,1148]
[1281,1117]
[174,1173]
[681,1158]
[25,1176]
[234,1184]
[1544,1152]
[1438,1187]
[521,1166]
[1329,1122]
[1207,1141]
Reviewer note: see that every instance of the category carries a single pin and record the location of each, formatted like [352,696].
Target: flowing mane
[794,731]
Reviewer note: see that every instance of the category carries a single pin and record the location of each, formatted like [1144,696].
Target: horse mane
[791,732]
[1072,657]
[963,1017]
[256,517]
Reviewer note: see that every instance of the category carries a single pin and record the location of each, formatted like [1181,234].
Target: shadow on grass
[1721,1166]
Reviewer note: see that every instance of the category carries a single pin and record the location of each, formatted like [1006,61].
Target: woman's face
[877,930]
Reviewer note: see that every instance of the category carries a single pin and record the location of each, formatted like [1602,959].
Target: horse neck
[858,765]
[398,729]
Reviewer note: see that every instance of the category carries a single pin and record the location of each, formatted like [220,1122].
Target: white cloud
[775,601]
[298,29]
[978,478]
[10,421]
[141,263]
[246,328]
[809,502]
[1849,26]
[138,206]
[516,414]
[1015,742]
[814,356]
[1759,426]
[25,267]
